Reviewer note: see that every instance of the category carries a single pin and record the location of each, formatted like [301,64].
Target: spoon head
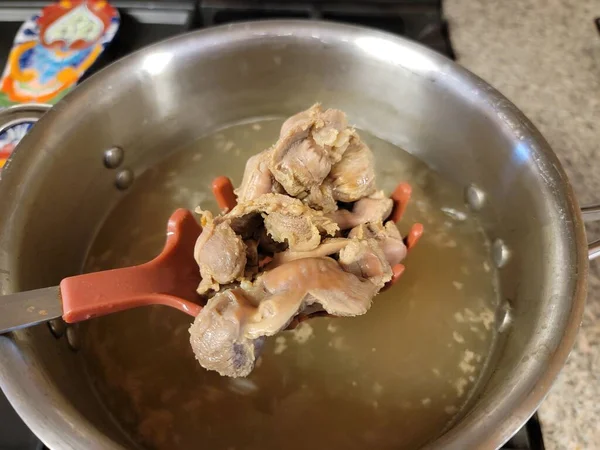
[170,279]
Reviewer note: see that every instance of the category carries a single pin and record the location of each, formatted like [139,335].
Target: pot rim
[512,413]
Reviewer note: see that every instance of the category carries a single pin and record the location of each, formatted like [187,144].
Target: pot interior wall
[155,102]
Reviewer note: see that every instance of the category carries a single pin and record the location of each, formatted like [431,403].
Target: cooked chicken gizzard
[290,244]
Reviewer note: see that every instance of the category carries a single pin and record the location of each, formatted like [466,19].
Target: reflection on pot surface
[394,378]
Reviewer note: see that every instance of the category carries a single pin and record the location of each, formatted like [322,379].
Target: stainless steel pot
[58,189]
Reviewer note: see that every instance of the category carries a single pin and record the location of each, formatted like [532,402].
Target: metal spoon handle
[28,308]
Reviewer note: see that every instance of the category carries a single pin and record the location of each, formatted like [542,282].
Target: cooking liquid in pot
[393,378]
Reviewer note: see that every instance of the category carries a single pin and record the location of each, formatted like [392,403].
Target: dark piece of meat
[266,244]
[252,258]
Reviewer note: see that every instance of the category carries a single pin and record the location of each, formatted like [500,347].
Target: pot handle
[15,117]
[592,214]
[17,114]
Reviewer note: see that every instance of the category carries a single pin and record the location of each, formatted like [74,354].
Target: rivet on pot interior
[500,253]
[124,179]
[73,337]
[57,327]
[475,197]
[113,157]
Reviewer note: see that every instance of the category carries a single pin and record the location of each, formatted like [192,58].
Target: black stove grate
[527,438]
[420,20]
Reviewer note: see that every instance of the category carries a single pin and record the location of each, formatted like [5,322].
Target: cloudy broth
[391,379]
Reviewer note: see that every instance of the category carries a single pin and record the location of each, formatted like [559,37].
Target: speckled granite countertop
[544,55]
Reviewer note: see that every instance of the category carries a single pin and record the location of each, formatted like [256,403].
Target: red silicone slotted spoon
[170,279]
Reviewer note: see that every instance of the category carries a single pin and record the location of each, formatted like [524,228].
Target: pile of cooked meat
[308,234]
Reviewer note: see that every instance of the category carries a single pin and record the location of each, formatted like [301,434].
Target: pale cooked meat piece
[331,131]
[298,284]
[301,166]
[354,176]
[309,143]
[328,247]
[274,313]
[257,179]
[267,204]
[375,208]
[299,232]
[365,259]
[367,231]
[321,198]
[322,280]
[328,128]
[287,219]
[299,123]
[229,331]
[300,253]
[388,236]
[217,334]
[220,254]
[297,176]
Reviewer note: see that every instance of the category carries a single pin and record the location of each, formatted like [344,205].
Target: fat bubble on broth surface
[309,233]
